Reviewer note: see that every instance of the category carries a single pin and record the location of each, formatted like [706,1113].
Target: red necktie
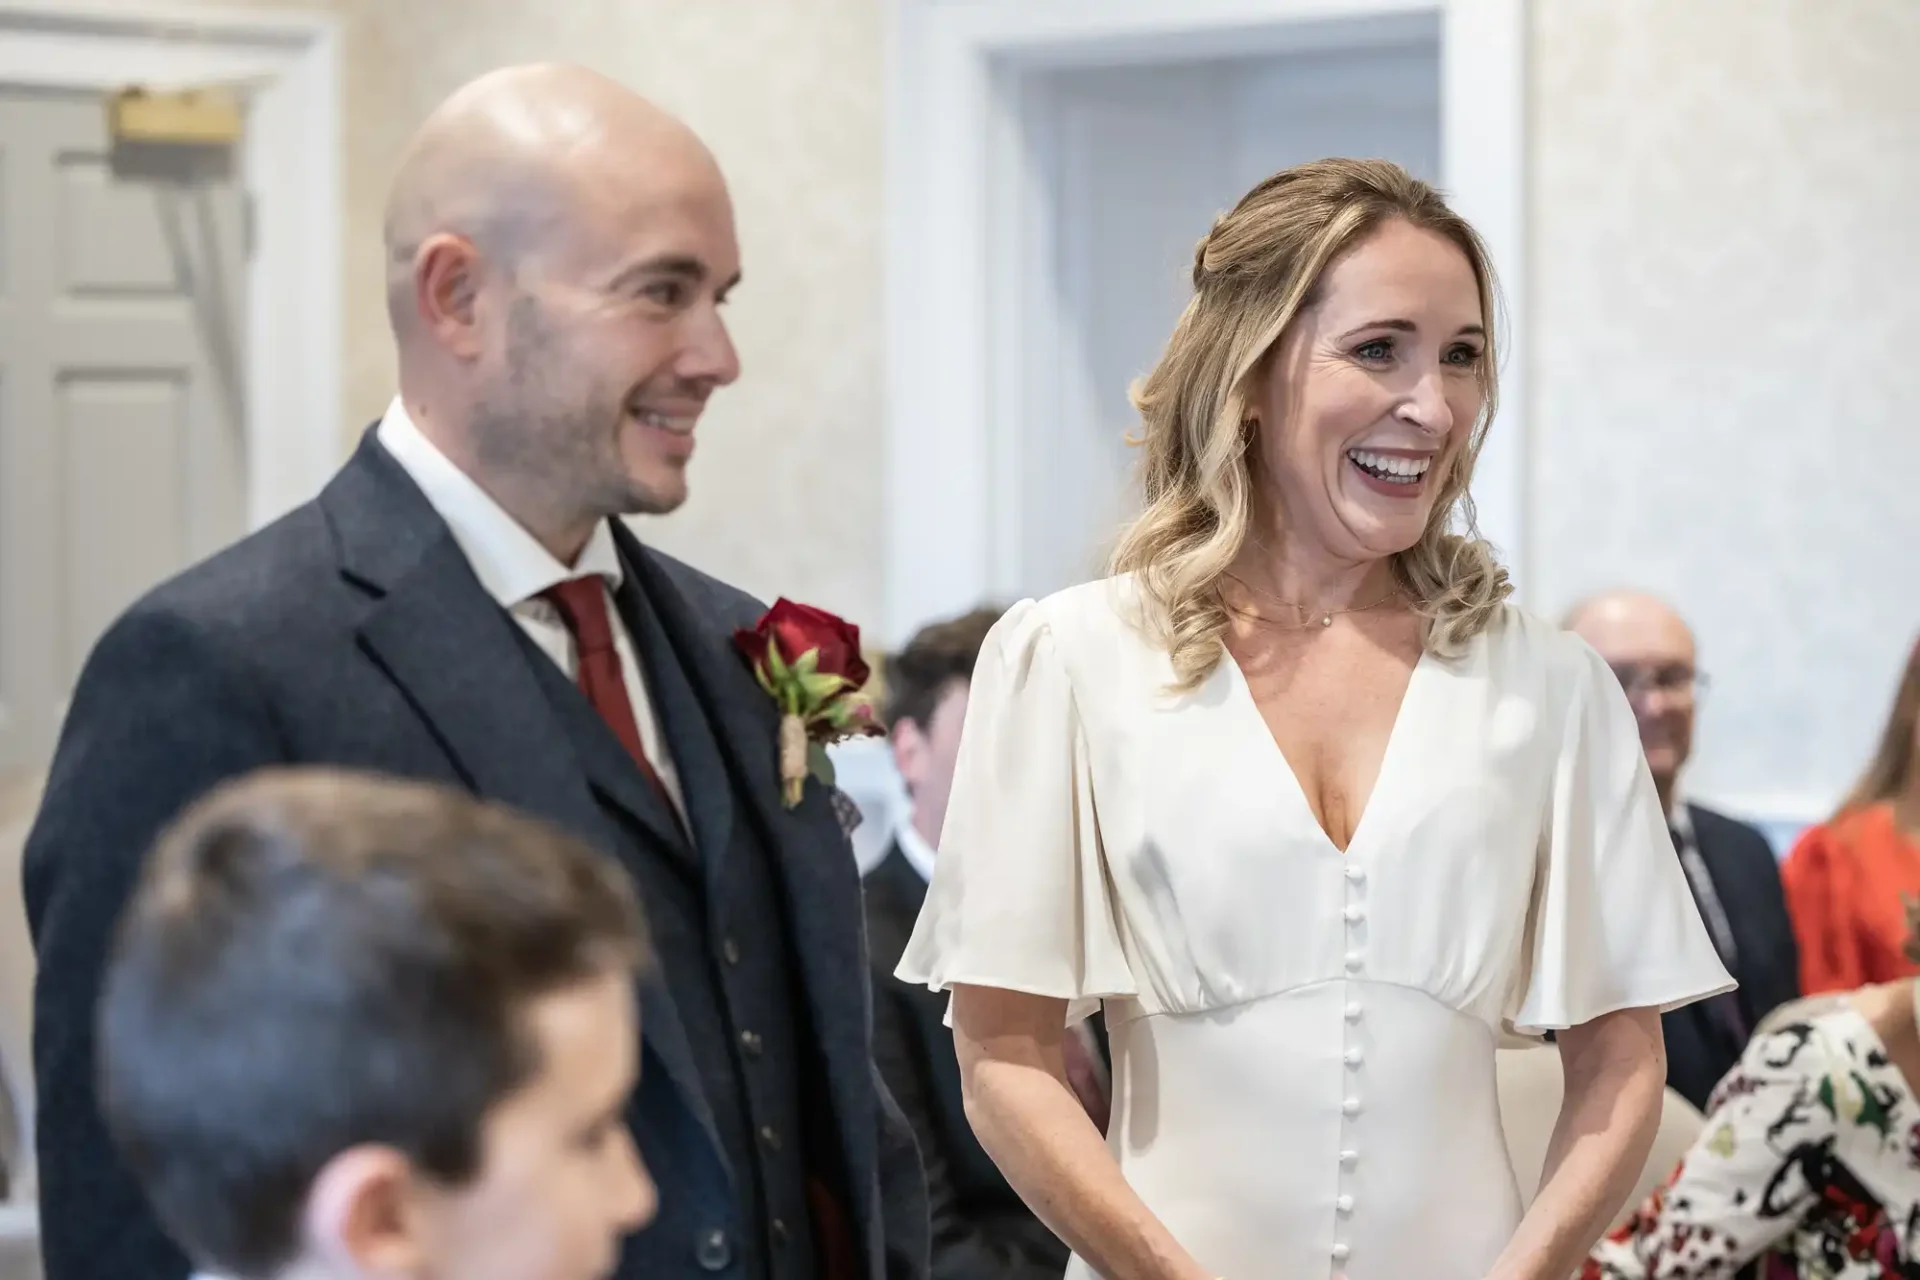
[582,603]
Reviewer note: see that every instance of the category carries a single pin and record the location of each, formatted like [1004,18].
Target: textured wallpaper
[1725,300]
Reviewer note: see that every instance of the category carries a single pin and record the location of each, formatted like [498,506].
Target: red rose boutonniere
[809,661]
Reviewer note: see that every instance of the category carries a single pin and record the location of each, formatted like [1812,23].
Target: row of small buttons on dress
[1355,915]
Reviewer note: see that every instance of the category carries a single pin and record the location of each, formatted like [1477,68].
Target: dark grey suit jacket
[353,632]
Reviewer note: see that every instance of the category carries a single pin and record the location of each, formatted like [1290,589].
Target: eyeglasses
[1673,679]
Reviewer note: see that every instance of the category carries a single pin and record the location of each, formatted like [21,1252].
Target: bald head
[516,162]
[1618,615]
[559,252]
[1651,649]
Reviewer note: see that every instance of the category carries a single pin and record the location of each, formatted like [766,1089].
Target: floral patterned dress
[1808,1169]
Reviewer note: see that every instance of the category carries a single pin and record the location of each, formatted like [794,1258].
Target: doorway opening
[1129,166]
[1051,166]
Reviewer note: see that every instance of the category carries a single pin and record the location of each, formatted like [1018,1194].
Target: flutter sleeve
[1612,923]
[1020,898]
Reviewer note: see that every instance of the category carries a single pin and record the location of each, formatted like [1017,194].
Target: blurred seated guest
[1807,1165]
[864,772]
[355,1028]
[1730,866]
[981,1228]
[1845,878]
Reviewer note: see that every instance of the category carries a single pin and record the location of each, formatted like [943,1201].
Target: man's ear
[909,752]
[448,272]
[363,1215]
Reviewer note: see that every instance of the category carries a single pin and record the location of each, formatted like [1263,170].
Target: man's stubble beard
[566,451]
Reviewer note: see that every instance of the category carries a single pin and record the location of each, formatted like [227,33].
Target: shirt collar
[510,562]
[915,849]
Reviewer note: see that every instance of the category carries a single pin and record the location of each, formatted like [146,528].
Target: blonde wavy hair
[1252,275]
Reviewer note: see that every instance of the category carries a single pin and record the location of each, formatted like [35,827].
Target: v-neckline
[1381,774]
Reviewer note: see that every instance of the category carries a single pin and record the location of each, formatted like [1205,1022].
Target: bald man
[462,604]
[1733,871]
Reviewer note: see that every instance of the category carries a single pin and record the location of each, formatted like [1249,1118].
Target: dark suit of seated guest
[1706,1039]
[1730,866]
[981,1230]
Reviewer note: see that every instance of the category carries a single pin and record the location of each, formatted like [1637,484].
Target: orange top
[1844,881]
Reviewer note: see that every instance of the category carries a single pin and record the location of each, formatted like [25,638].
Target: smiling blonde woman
[1308,807]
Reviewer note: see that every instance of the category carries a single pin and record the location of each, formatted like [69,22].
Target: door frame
[288,65]
[956,185]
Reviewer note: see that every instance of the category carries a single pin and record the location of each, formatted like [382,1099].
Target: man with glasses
[1733,871]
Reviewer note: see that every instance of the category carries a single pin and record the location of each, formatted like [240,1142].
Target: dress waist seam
[1297,988]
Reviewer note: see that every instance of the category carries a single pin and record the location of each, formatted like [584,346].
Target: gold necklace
[1306,614]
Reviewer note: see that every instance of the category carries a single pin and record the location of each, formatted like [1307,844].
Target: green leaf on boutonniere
[819,687]
[843,714]
[764,680]
[780,682]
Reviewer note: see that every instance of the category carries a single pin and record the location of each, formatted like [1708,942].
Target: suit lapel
[704,784]
[745,726]
[458,659]
[453,653]
[1726,880]
[817,872]
[609,770]
[1729,888]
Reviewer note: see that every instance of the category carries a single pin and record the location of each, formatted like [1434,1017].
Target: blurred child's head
[355,1027]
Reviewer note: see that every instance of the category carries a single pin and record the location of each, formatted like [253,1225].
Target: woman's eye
[1464,355]
[1378,349]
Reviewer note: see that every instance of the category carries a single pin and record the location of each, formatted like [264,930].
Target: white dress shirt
[514,569]
[915,849]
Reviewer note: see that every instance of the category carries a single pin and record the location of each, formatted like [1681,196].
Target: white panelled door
[122,458]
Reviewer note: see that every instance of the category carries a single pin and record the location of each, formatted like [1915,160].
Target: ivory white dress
[1304,1039]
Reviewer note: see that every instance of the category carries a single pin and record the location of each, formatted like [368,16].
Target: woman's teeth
[1392,469]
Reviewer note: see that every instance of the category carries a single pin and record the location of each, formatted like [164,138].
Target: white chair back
[1531,1089]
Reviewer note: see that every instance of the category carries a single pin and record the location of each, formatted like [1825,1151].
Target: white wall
[1138,162]
[1380,102]
[1726,300]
